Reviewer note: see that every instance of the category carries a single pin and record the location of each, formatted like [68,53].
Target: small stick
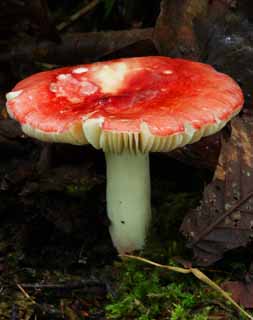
[25,293]
[82,284]
[77,15]
[43,308]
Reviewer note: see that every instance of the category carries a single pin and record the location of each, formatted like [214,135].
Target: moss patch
[146,293]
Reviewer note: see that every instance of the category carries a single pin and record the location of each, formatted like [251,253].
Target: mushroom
[127,108]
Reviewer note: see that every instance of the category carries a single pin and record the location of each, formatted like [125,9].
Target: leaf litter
[224,220]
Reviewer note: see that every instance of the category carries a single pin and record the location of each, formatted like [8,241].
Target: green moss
[146,293]
[23,305]
[78,189]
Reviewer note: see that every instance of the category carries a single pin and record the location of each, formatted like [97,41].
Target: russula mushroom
[128,108]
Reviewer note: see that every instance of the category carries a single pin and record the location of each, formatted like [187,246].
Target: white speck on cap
[88,88]
[80,70]
[63,76]
[167,71]
[52,87]
[13,94]
[63,111]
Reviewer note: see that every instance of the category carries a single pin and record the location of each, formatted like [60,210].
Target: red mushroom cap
[162,96]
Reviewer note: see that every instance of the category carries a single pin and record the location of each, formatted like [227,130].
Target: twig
[77,15]
[198,274]
[45,309]
[66,285]
[88,285]
[25,293]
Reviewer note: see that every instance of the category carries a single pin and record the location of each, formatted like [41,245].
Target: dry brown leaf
[242,292]
[224,220]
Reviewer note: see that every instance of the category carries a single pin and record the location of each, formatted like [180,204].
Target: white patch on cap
[80,70]
[63,76]
[111,77]
[167,71]
[63,111]
[88,88]
[72,89]
[52,87]
[13,94]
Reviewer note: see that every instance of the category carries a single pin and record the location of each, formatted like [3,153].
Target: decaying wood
[178,25]
[22,13]
[224,220]
[174,32]
[75,48]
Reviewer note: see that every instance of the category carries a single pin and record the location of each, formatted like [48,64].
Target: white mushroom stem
[128,199]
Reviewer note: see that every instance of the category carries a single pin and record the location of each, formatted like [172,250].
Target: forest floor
[56,257]
[53,268]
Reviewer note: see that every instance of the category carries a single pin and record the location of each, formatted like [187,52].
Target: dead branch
[76,47]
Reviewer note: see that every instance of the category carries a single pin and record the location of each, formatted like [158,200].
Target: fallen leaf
[224,220]
[241,292]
